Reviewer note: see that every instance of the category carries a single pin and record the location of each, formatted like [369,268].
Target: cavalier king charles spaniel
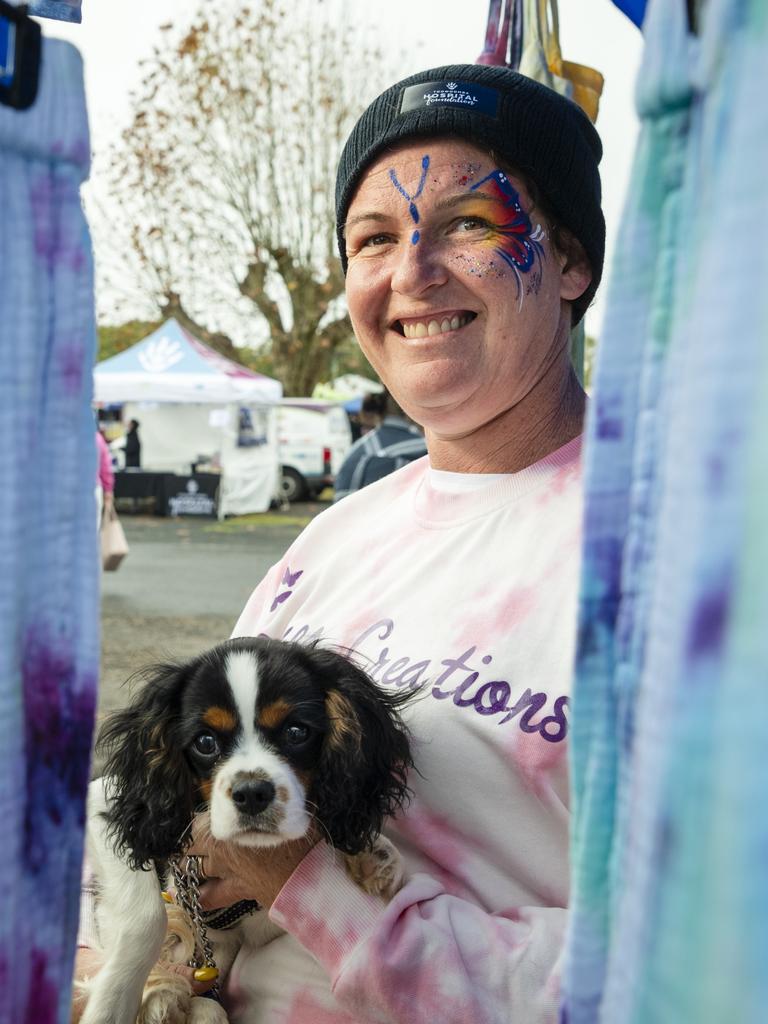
[265,738]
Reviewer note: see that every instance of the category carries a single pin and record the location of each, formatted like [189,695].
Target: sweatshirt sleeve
[425,956]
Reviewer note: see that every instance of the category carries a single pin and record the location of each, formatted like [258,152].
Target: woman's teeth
[428,328]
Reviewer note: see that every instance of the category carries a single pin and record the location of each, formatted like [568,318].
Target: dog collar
[228,917]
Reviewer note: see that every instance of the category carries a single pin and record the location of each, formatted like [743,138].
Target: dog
[260,740]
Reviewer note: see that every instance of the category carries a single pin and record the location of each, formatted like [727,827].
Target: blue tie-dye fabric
[670,898]
[48,550]
[61,10]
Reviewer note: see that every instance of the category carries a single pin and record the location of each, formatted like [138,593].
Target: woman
[470,229]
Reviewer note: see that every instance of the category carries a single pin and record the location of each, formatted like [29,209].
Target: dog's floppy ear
[362,776]
[150,789]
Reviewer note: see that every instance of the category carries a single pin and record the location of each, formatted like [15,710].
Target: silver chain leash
[186,878]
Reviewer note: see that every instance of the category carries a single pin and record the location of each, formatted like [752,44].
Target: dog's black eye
[206,744]
[295,735]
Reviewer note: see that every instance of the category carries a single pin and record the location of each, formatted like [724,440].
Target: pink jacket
[105,475]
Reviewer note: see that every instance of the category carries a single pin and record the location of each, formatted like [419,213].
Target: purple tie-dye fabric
[48,549]
[61,10]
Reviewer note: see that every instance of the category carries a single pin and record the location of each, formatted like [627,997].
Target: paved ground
[182,587]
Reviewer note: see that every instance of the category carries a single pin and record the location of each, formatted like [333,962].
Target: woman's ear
[362,776]
[149,785]
[575,271]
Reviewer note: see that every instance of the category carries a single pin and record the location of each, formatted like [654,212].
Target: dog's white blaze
[252,755]
[242,671]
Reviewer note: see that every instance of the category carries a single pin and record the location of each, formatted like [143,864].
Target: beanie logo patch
[466,95]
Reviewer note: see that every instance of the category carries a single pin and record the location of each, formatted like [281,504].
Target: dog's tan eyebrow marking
[343,720]
[274,714]
[220,718]
[206,786]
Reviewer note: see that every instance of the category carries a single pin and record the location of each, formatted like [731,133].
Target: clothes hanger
[20,51]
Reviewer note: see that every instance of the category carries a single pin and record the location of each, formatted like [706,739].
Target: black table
[167,494]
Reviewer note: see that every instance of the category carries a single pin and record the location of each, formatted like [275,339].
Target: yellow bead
[167,897]
[206,973]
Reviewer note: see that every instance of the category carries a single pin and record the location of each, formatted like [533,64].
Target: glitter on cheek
[478,266]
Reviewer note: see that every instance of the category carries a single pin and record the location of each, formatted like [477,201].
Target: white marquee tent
[195,405]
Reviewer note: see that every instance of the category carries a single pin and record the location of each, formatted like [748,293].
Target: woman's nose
[419,267]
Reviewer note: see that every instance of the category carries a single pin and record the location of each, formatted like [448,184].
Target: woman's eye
[206,744]
[296,734]
[471,224]
[374,240]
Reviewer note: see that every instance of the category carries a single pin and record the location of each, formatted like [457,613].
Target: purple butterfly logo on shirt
[289,580]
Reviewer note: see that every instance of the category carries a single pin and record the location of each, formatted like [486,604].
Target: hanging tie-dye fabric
[670,832]
[48,543]
[61,10]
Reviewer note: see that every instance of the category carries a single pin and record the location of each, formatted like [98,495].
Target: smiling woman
[471,234]
[469,321]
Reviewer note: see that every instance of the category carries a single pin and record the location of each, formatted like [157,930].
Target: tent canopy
[173,366]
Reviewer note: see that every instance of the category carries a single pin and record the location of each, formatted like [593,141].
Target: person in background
[396,441]
[368,417]
[472,237]
[132,446]
[371,411]
[105,479]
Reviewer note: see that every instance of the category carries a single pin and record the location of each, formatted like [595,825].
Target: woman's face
[456,295]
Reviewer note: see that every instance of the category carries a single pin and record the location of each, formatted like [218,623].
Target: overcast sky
[114,38]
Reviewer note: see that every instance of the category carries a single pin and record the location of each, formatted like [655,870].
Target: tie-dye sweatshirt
[472,597]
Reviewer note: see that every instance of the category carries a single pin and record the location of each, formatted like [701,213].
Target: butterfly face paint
[410,199]
[511,235]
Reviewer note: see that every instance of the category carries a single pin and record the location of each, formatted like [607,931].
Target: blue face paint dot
[415,237]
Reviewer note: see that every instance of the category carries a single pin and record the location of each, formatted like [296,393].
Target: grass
[266,520]
[257,521]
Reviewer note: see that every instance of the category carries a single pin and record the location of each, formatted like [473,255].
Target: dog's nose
[251,796]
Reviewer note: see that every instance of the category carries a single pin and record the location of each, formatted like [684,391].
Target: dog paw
[379,871]
[207,1011]
[166,1002]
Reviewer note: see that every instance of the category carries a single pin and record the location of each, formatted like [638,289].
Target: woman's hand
[235,872]
[89,962]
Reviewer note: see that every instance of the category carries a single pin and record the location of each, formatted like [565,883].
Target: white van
[313,438]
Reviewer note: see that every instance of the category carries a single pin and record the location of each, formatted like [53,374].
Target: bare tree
[221,190]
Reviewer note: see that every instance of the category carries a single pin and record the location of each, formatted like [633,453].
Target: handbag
[114,546]
[542,59]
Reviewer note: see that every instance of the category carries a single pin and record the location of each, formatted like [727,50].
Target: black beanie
[533,129]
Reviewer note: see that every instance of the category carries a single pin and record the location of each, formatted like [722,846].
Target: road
[182,587]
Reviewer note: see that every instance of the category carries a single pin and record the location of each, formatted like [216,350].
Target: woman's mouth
[429,326]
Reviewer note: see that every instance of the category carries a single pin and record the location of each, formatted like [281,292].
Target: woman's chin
[436,405]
